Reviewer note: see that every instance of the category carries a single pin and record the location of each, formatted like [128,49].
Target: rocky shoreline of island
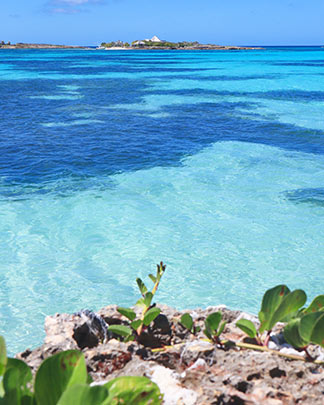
[22,45]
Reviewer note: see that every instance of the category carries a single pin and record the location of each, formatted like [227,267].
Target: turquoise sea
[113,161]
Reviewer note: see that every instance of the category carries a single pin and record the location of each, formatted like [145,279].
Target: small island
[22,45]
[156,43]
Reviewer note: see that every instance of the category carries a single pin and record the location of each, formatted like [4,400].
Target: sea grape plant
[307,327]
[214,327]
[188,323]
[62,379]
[279,304]
[148,311]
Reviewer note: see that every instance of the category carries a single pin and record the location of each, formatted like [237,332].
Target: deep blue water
[112,161]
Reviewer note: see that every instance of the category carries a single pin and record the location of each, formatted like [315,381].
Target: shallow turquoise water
[113,161]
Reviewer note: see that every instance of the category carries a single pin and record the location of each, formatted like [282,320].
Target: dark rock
[226,399]
[277,373]
[91,329]
[161,325]
[254,376]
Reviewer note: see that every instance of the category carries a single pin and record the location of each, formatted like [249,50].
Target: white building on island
[155,39]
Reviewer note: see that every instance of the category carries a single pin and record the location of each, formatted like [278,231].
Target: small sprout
[121,330]
[213,328]
[150,315]
[188,323]
[249,328]
[142,287]
[149,311]
[127,312]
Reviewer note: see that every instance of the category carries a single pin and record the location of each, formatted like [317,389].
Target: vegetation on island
[156,44]
[150,44]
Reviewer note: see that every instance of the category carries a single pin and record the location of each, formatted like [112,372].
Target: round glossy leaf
[292,335]
[307,324]
[316,305]
[133,390]
[270,302]
[290,304]
[58,373]
[82,394]
[318,331]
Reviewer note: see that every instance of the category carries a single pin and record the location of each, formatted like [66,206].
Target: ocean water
[113,161]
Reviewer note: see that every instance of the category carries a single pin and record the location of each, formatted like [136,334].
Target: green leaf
[153,278]
[11,387]
[120,330]
[133,390]
[3,356]
[140,303]
[212,321]
[221,328]
[15,381]
[316,305]
[292,335]
[247,327]
[289,305]
[136,324]
[311,327]
[58,373]
[270,302]
[148,299]
[127,312]
[208,334]
[318,331]
[307,323]
[150,315]
[141,286]
[187,322]
[82,394]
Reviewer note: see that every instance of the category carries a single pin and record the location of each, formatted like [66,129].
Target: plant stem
[251,347]
[266,341]
[308,356]
[155,287]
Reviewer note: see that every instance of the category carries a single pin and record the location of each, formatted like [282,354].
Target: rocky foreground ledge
[190,370]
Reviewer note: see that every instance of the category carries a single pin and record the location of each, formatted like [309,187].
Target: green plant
[214,327]
[148,312]
[188,323]
[307,326]
[279,304]
[63,380]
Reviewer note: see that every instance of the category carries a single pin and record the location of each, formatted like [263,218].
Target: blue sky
[232,22]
